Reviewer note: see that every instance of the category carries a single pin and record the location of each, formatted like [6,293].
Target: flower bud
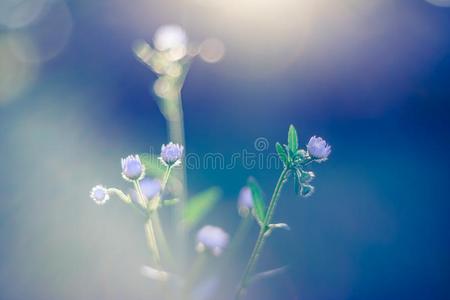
[245,201]
[318,148]
[99,194]
[150,187]
[212,238]
[171,154]
[132,168]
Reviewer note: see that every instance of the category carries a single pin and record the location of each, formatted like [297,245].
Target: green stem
[161,238]
[262,235]
[152,208]
[154,203]
[150,232]
[175,124]
[165,178]
[127,200]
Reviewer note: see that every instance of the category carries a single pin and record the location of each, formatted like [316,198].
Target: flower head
[99,194]
[171,154]
[245,201]
[173,39]
[318,148]
[132,168]
[212,238]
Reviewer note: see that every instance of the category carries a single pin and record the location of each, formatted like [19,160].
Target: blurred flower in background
[171,38]
[212,238]
[245,201]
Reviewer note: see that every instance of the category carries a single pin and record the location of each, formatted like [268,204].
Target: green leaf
[200,205]
[153,166]
[282,153]
[259,206]
[288,152]
[293,140]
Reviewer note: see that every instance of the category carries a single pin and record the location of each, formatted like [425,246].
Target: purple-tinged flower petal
[99,194]
[171,154]
[318,148]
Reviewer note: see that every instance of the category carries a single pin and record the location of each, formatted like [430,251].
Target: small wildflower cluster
[295,163]
[133,170]
[296,160]
[169,59]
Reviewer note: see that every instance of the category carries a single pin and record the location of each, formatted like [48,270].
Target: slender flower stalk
[262,234]
[154,215]
[125,198]
[150,232]
[177,135]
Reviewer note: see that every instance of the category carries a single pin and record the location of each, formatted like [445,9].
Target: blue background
[376,88]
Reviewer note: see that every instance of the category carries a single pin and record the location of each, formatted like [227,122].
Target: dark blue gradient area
[372,79]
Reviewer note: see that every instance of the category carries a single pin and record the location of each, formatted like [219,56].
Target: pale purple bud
[132,168]
[318,148]
[150,187]
[212,238]
[245,201]
[171,154]
[99,194]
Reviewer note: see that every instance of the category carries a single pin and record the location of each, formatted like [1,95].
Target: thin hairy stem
[151,240]
[127,200]
[262,235]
